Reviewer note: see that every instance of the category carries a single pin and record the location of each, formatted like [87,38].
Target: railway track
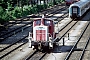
[12,46]
[13,22]
[72,52]
[14,31]
[83,52]
[37,55]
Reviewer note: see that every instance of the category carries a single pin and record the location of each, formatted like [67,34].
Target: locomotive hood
[40,33]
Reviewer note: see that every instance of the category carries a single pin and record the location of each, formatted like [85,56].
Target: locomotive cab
[43,33]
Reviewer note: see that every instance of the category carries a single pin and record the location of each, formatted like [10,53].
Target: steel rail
[81,57]
[43,56]
[28,57]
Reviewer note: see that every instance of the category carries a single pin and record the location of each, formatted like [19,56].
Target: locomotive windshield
[47,22]
[38,22]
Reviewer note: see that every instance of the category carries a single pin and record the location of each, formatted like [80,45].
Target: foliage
[11,9]
[16,13]
[1,10]
[3,15]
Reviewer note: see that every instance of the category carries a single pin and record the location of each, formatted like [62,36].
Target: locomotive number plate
[41,28]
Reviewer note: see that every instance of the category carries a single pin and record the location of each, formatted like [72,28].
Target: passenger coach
[77,9]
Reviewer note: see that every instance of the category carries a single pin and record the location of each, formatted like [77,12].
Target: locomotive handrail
[30,34]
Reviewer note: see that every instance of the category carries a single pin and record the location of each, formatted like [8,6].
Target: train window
[38,22]
[47,22]
[74,10]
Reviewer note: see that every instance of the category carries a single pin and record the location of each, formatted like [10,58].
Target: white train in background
[78,9]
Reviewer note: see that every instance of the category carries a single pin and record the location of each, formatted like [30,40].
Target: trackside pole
[50,43]
[30,38]
[68,36]
[22,29]
[63,42]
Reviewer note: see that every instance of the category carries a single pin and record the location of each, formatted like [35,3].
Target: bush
[34,9]
[45,6]
[4,17]
[18,12]
[50,4]
[1,13]
[1,10]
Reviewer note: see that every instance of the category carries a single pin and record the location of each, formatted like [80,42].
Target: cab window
[47,22]
[37,22]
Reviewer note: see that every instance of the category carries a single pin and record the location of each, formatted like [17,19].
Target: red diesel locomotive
[43,34]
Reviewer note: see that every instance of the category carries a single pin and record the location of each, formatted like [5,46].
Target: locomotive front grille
[40,35]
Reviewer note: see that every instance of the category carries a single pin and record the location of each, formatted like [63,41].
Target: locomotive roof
[43,18]
[80,3]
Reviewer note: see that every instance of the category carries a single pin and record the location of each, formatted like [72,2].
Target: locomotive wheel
[38,47]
